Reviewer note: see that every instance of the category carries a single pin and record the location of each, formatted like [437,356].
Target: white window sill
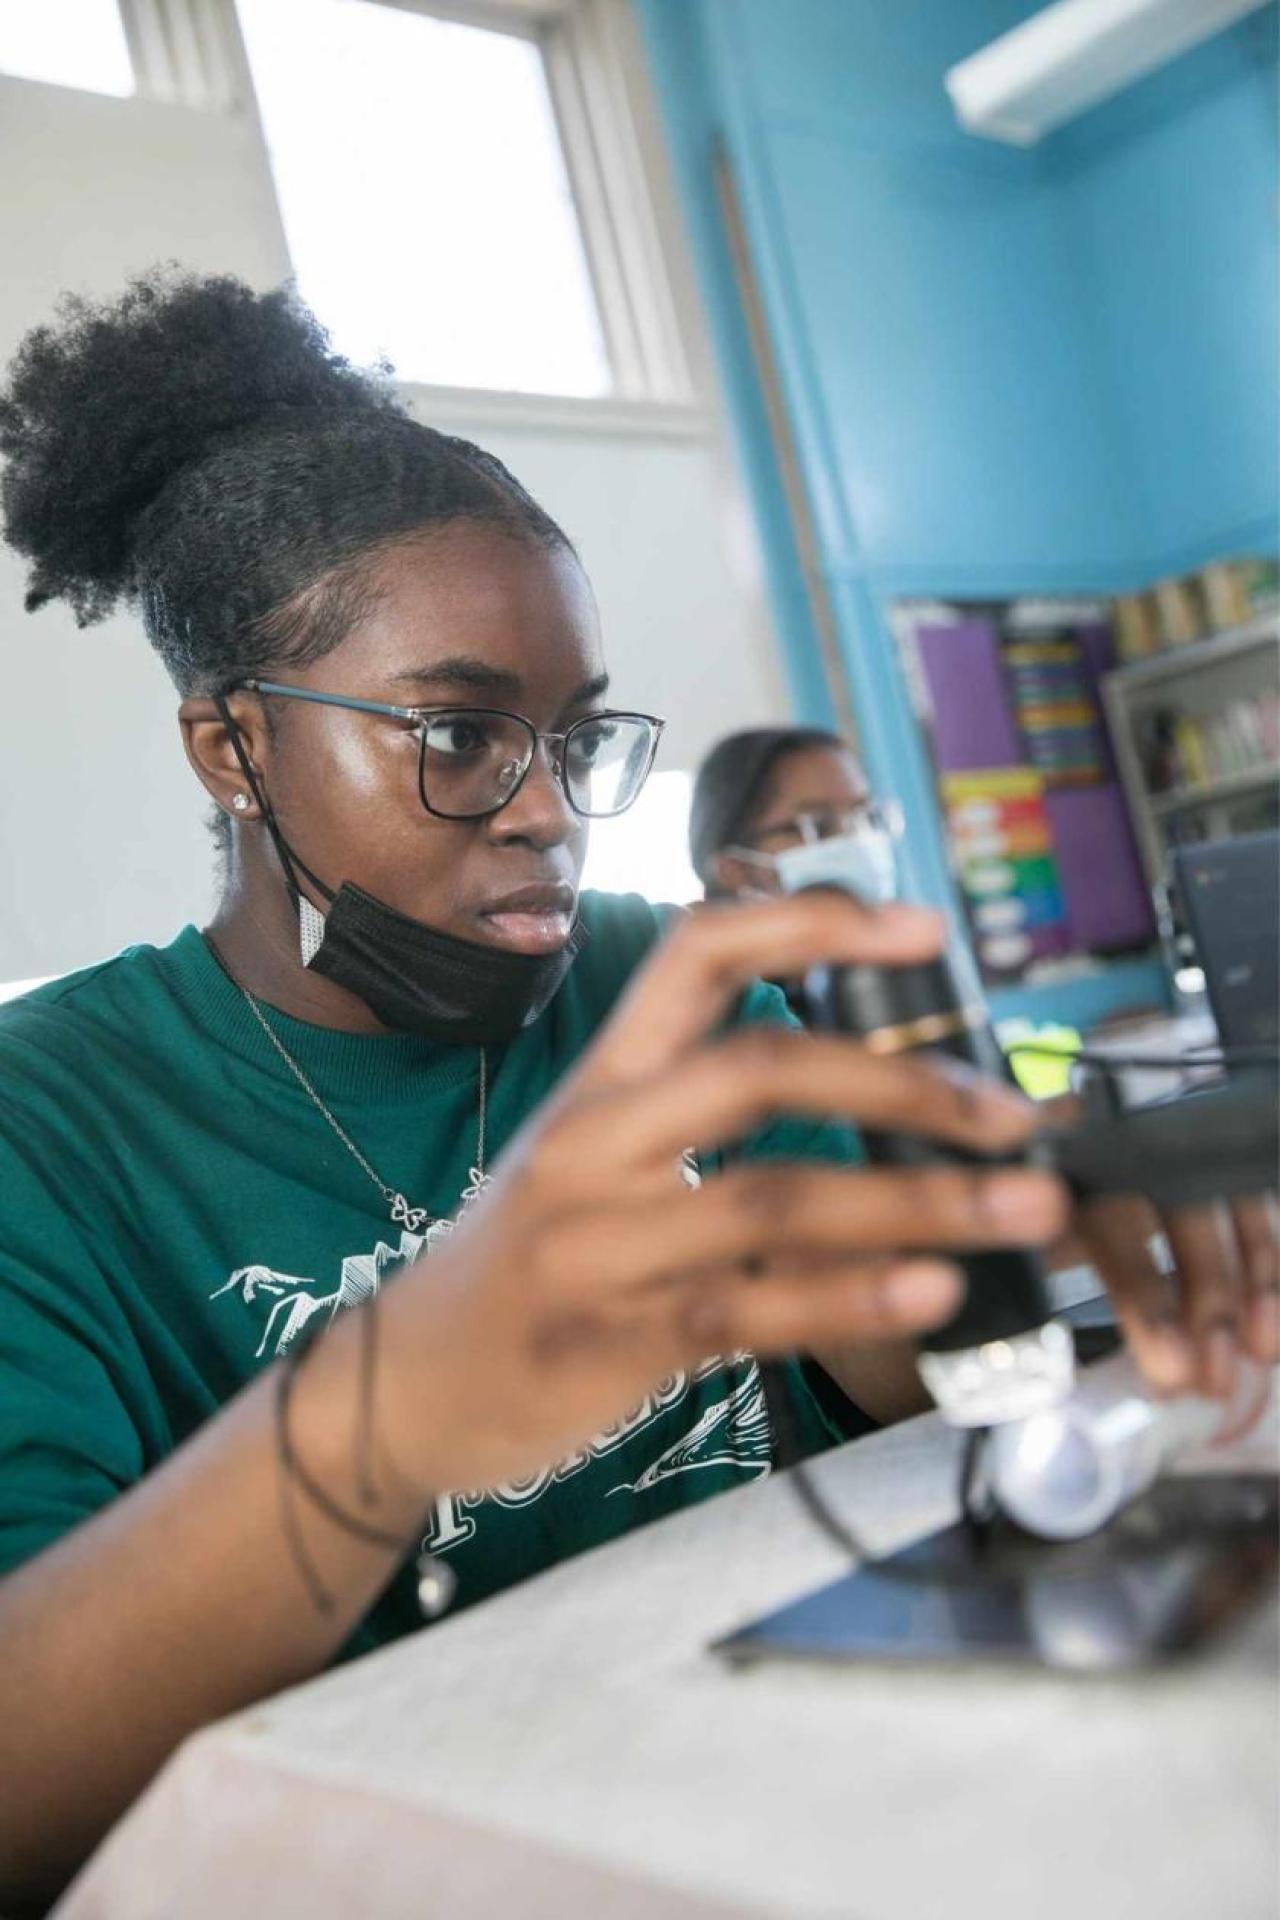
[610,418]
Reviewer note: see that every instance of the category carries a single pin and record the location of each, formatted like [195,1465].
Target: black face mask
[418,980]
[415,979]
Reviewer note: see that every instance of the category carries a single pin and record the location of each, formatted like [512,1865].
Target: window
[71,43]
[425,194]
[646,851]
[13,989]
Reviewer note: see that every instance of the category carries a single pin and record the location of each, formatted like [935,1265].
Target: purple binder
[972,724]
[1102,883]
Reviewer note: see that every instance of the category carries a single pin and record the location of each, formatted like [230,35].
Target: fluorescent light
[1074,54]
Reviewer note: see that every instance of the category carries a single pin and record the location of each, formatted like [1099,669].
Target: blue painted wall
[691,99]
[928,298]
[1006,371]
[1169,195]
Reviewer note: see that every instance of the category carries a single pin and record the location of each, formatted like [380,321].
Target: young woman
[762,791]
[401,1015]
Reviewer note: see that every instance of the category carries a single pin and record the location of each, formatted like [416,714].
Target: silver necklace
[402,1214]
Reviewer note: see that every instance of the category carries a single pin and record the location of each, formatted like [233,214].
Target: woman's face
[466,616]
[823,784]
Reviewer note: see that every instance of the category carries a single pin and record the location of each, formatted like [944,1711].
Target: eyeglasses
[472,761]
[826,823]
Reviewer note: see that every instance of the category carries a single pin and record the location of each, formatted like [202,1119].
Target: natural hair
[730,788]
[199,451]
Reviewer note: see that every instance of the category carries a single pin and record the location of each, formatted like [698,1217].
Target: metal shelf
[1131,690]
[1227,787]
[1174,662]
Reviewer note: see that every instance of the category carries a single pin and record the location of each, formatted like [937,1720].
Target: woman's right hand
[577,1283]
[588,1271]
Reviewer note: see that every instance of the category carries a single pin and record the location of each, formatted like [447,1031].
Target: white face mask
[863,861]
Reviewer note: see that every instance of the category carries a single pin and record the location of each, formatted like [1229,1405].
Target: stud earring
[240,801]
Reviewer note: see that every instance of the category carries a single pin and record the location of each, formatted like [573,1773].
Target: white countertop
[572,1749]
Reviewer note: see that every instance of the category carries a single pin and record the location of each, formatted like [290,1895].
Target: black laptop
[1230,895]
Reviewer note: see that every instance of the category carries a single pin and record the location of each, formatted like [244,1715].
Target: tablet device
[1165,1576]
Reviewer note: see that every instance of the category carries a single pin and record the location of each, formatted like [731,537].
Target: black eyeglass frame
[557,742]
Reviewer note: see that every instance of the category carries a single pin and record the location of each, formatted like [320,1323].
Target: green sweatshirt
[174,1211]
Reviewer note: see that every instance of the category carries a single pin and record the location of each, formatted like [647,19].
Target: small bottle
[1067,1470]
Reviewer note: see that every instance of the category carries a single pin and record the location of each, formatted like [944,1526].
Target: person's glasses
[826,823]
[472,761]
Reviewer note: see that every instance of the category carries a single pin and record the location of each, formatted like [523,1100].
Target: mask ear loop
[310,919]
[753,858]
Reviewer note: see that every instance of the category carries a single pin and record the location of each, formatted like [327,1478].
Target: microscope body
[1064,1456]
[1002,1356]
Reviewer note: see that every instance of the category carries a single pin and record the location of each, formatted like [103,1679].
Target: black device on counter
[1167,1570]
[1163,1577]
[1230,896]
[1004,1355]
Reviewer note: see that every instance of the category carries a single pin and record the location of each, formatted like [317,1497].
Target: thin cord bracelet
[436,1582]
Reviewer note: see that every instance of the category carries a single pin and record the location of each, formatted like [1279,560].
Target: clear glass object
[1009,1379]
[1065,1471]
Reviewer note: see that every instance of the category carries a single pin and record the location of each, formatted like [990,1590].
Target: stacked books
[1054,705]
[1181,750]
[1004,853]
[1173,613]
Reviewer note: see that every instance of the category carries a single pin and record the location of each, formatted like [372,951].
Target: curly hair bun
[107,406]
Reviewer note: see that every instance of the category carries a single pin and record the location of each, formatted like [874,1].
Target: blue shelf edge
[1120,986]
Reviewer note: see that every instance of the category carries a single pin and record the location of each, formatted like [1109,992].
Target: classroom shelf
[1197,655]
[1199,680]
[1228,787]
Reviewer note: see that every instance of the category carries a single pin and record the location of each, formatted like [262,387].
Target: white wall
[101,840]
[670,555]
[101,827]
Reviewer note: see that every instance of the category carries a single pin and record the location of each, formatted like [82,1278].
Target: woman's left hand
[1193,1313]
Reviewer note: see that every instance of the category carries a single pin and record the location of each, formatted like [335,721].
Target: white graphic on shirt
[734,1432]
[362,1273]
[294,1307]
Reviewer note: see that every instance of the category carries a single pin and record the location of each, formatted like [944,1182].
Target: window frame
[187,53]
[191,52]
